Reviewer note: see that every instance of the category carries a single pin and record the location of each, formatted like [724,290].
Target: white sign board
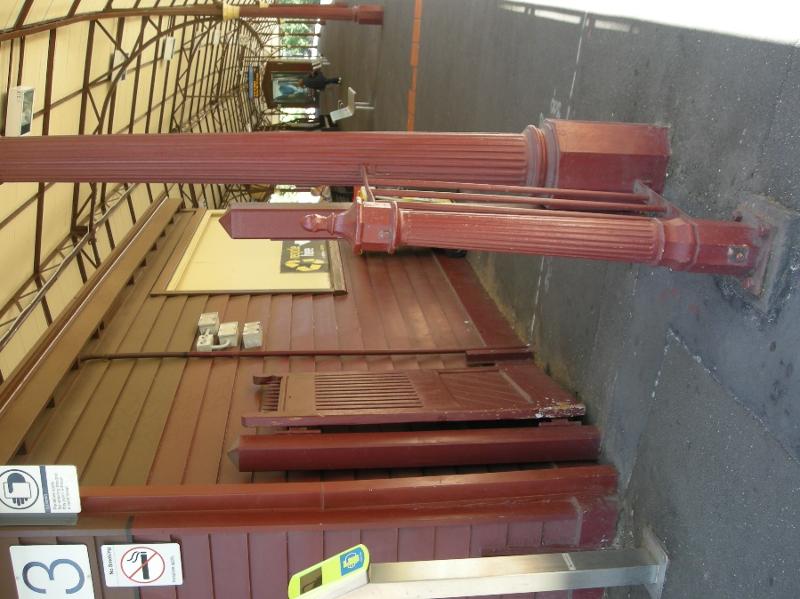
[52,571]
[145,564]
[39,490]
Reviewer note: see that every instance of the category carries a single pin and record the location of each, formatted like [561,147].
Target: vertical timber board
[397,335]
[230,564]
[440,326]
[347,320]
[326,335]
[269,564]
[173,456]
[452,542]
[134,468]
[449,300]
[7,586]
[487,539]
[302,332]
[365,310]
[416,543]
[381,542]
[336,540]
[305,548]
[412,312]
[198,579]
[483,312]
[203,459]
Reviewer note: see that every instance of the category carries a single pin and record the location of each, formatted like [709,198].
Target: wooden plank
[195,218]
[302,331]
[8,587]
[38,426]
[176,442]
[305,548]
[396,331]
[525,536]
[137,461]
[368,311]
[452,542]
[381,542]
[269,565]
[198,581]
[488,539]
[277,335]
[82,443]
[416,543]
[412,310]
[66,415]
[460,322]
[561,533]
[491,324]
[30,388]
[230,565]
[598,522]
[348,329]
[118,429]
[336,541]
[440,327]
[206,452]
[326,334]
[246,395]
[130,303]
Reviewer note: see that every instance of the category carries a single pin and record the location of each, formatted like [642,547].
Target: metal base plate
[769,283]
[656,549]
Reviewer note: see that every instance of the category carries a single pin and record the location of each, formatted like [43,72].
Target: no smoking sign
[147,564]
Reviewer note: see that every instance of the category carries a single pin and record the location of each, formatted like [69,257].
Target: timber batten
[30,387]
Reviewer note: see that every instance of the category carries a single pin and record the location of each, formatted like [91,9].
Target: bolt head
[737,253]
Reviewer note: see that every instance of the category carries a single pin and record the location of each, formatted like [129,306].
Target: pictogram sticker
[26,490]
[52,571]
[147,564]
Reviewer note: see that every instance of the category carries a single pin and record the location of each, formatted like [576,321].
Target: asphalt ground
[694,387]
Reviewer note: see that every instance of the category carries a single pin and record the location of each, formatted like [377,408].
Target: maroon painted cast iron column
[674,240]
[416,449]
[599,156]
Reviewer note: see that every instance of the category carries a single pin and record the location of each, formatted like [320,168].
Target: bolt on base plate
[779,227]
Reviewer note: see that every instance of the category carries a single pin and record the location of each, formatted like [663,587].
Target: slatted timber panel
[358,391]
[413,396]
[166,421]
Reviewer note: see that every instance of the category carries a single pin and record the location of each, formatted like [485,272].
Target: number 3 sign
[50,571]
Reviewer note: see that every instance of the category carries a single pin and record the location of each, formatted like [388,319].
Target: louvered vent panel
[510,392]
[369,390]
[270,394]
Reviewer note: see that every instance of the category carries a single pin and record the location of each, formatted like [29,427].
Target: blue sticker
[352,560]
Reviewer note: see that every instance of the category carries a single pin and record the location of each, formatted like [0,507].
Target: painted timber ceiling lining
[102,76]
